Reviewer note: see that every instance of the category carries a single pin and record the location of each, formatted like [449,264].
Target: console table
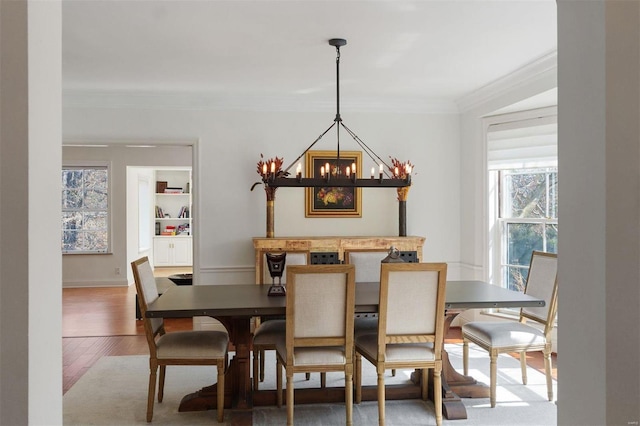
[337,245]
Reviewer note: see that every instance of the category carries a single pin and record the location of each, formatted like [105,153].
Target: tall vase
[403,193]
[402,218]
[271,201]
[270,226]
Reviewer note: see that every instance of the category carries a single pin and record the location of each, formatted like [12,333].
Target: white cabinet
[172,251]
[173,220]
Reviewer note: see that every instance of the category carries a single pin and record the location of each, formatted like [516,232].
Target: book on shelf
[173,190]
[159,212]
[184,212]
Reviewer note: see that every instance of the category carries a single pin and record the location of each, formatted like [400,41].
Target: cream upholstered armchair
[179,347]
[319,337]
[410,331]
[510,336]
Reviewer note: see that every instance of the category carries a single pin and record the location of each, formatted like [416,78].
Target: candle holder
[275,263]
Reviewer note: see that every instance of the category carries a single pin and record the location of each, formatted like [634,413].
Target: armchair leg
[494,376]
[523,366]
[381,396]
[348,396]
[547,370]
[437,392]
[290,398]
[465,357]
[358,374]
[153,369]
[163,370]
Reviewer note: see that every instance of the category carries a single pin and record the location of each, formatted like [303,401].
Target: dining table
[235,306]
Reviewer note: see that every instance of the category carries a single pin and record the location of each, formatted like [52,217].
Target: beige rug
[114,390]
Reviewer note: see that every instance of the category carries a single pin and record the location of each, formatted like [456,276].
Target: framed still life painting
[332,201]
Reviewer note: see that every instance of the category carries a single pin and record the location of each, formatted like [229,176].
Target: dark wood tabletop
[252,299]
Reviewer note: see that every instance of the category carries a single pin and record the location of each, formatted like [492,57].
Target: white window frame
[91,165]
[496,226]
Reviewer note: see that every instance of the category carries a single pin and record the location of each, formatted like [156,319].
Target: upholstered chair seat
[192,345]
[505,334]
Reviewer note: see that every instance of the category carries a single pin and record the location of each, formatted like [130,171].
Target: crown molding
[210,101]
[541,69]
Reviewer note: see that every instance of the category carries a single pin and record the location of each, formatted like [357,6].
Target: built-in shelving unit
[172,245]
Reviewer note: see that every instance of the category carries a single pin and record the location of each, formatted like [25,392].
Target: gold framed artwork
[331,201]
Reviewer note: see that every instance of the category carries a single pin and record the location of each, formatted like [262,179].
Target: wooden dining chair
[268,331]
[498,337]
[367,265]
[179,347]
[410,328]
[319,336]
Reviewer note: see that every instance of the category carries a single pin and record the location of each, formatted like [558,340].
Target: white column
[599,214]
[30,260]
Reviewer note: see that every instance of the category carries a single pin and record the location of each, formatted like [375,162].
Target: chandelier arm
[370,152]
[309,147]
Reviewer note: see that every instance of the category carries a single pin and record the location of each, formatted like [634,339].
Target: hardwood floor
[101,322]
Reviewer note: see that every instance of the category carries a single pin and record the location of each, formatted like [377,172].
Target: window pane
[71,220]
[553,195]
[96,221]
[95,199]
[526,195]
[522,239]
[515,277]
[72,199]
[71,178]
[72,241]
[552,238]
[95,241]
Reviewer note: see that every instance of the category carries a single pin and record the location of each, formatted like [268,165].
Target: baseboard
[98,283]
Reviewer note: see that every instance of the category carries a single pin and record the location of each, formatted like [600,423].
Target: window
[522,191]
[85,209]
[528,220]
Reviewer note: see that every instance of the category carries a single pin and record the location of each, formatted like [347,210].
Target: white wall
[228,214]
[95,270]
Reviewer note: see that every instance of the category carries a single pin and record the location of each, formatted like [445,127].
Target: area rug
[114,392]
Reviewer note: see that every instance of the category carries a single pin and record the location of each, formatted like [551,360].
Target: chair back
[411,308]
[320,307]
[293,258]
[147,293]
[367,264]
[542,282]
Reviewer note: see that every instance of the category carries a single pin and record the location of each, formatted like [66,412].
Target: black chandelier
[394,175]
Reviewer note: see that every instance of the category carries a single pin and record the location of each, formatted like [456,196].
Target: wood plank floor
[101,322]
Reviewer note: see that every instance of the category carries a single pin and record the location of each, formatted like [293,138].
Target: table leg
[237,377]
[455,385]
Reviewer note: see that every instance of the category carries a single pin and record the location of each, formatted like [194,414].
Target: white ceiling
[437,51]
